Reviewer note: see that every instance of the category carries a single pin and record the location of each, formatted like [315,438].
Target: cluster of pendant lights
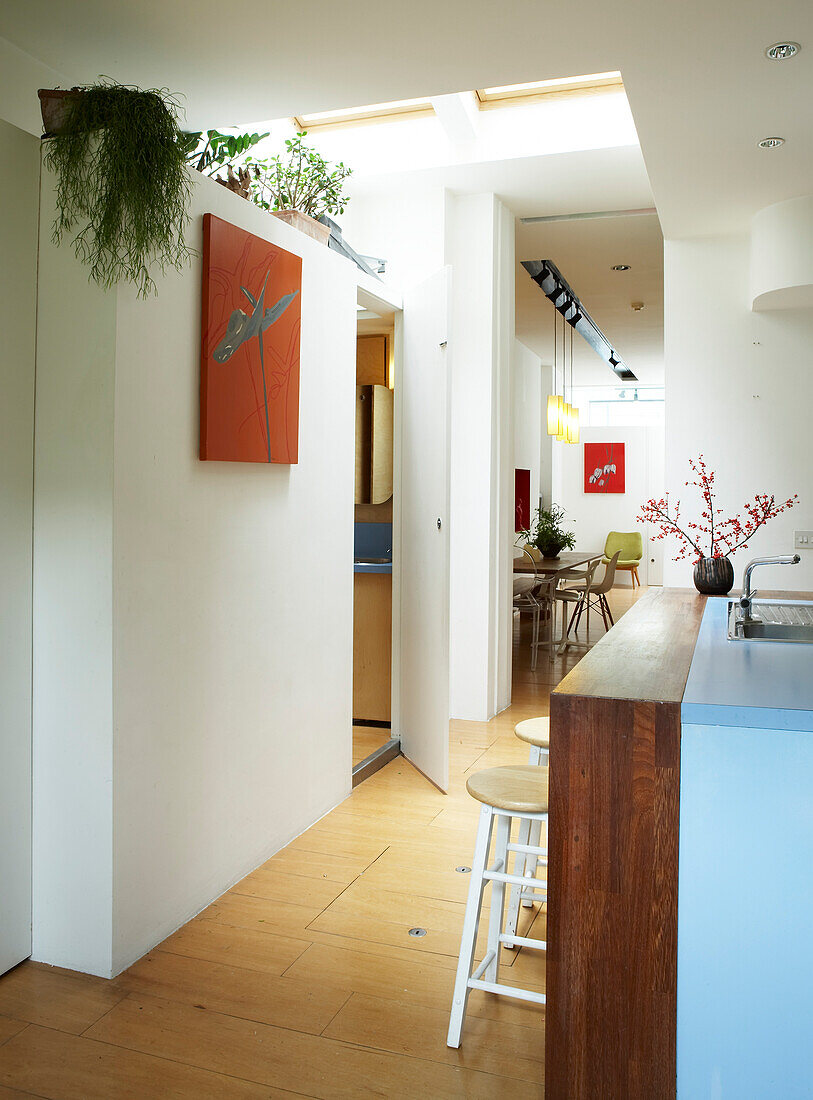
[563,418]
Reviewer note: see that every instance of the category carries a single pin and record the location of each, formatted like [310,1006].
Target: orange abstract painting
[249,392]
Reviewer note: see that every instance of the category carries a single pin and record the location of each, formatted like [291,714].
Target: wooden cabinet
[372,360]
[372,646]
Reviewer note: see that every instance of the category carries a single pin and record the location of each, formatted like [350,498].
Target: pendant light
[573,419]
[561,435]
[555,403]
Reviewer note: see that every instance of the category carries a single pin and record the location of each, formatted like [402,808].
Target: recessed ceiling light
[620,267]
[781,51]
[771,143]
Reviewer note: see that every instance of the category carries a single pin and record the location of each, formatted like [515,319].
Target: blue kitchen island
[680,862]
[745,887]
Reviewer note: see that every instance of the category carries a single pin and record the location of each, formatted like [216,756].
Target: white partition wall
[19,191]
[193,620]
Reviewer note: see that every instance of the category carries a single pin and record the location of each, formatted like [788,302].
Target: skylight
[507,94]
[374,112]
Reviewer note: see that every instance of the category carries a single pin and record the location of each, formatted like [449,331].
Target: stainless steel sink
[772,621]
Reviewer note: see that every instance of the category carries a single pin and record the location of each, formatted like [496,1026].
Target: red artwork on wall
[249,391]
[604,470]
[522,500]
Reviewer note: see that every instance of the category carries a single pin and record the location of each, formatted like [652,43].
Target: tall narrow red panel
[249,389]
[522,500]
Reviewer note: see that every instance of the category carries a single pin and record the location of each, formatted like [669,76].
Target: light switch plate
[803,540]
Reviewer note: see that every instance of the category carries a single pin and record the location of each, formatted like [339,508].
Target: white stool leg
[532,862]
[471,922]
[515,892]
[537,756]
[497,897]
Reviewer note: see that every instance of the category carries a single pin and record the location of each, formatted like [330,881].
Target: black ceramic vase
[550,549]
[714,576]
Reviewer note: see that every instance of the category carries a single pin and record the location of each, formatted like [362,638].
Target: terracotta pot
[55,105]
[305,223]
[714,576]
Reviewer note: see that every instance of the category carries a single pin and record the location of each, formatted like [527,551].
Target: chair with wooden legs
[536,733]
[631,547]
[505,793]
[574,597]
[596,598]
[526,602]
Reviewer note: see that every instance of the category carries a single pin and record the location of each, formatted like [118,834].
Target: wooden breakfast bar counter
[615,722]
[680,854]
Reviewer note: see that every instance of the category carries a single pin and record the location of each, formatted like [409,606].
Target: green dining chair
[631,545]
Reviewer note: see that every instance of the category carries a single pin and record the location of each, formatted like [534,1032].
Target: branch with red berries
[723,536]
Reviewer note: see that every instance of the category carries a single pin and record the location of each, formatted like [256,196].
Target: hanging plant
[123,187]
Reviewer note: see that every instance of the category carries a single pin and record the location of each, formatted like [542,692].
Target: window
[374,112]
[510,94]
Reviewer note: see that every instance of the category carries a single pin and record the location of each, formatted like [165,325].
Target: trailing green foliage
[122,183]
[547,534]
[219,150]
[299,179]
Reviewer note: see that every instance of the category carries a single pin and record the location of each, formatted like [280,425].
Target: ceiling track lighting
[555,287]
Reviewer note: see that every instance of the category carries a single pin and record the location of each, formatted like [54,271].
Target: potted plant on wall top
[122,183]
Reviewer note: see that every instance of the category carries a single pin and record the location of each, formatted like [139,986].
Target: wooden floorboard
[302,980]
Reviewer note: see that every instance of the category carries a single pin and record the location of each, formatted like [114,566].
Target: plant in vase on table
[547,535]
[713,571]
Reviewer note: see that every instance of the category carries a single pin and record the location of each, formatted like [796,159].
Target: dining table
[566,561]
[554,569]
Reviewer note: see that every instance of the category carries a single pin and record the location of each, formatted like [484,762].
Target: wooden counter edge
[613,857]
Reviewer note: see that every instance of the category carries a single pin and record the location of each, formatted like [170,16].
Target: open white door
[422,388]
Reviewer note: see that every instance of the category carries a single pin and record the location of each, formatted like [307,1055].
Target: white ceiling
[700,89]
[585,251]
[564,183]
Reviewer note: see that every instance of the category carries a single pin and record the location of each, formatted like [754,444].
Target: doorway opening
[373,560]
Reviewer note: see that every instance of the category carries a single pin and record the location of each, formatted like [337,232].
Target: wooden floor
[303,979]
[366,739]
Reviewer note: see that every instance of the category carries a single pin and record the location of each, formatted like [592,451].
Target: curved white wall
[782,255]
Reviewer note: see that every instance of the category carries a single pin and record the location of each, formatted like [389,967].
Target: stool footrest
[515,880]
[481,969]
[508,991]
[536,945]
[542,853]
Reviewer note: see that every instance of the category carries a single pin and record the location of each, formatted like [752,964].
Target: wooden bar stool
[506,793]
[536,732]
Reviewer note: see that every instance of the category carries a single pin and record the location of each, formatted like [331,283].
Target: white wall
[73,612]
[407,230]
[479,247]
[19,189]
[594,515]
[20,77]
[739,389]
[195,711]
